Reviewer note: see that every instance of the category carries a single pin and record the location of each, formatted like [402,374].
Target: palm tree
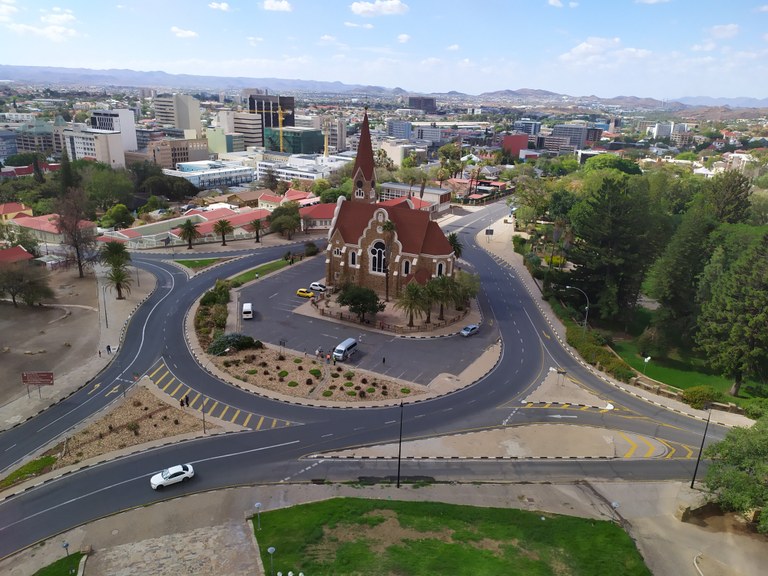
[444,288]
[411,301]
[114,253]
[430,296]
[458,247]
[120,279]
[223,227]
[256,228]
[188,232]
[389,229]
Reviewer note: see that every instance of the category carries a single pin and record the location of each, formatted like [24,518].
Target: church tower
[364,173]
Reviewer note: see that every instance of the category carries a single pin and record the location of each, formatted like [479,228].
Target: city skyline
[648,48]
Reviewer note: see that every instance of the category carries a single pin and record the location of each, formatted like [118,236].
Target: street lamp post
[271,551]
[586,310]
[701,448]
[400,445]
[138,282]
[104,300]
[258,515]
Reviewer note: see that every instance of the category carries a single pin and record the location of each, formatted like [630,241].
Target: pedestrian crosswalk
[162,377]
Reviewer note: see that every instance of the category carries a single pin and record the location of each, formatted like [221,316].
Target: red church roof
[364,158]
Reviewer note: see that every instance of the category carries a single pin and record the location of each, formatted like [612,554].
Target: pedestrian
[383,360]
[181,403]
[99,352]
[334,360]
[186,400]
[328,359]
[109,349]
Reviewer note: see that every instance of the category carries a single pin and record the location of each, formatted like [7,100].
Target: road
[294,453]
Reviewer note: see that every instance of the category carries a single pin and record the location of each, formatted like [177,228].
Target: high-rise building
[179,110]
[7,144]
[270,108]
[401,129]
[426,103]
[119,120]
[295,140]
[245,123]
[576,133]
[337,135]
[83,143]
[530,127]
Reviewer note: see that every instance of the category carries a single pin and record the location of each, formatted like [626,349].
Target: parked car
[172,475]
[469,330]
[304,293]
[317,287]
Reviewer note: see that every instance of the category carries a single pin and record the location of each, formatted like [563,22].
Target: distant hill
[742,102]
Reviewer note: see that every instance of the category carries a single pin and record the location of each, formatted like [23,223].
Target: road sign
[37,378]
[489,231]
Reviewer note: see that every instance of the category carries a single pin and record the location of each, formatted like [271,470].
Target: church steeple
[364,173]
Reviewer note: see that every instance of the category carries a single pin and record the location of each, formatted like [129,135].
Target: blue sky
[657,48]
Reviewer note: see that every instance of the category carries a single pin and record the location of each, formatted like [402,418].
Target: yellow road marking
[651,447]
[114,390]
[529,405]
[159,380]
[213,407]
[633,446]
[274,422]
[95,387]
[223,412]
[177,388]
[186,393]
[192,403]
[564,406]
[547,405]
[158,370]
[668,445]
[171,381]
[235,416]
[687,449]
[247,419]
[546,335]
[261,421]
[585,407]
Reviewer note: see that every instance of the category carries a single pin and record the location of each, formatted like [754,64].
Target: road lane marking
[274,423]
[171,381]
[672,449]
[9,447]
[173,394]
[632,448]
[235,416]
[216,403]
[247,419]
[223,412]
[261,421]
[159,380]
[192,404]
[651,447]
[95,387]
[115,390]
[162,365]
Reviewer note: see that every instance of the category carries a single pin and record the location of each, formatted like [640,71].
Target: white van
[345,349]
[247,311]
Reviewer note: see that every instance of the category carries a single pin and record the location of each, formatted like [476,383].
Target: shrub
[405,390]
[133,427]
[297,360]
[349,375]
[234,342]
[332,387]
[310,249]
[351,393]
[362,393]
[293,383]
[348,384]
[370,390]
[252,371]
[756,408]
[281,357]
[334,374]
[137,403]
[316,372]
[220,316]
[283,373]
[519,244]
[327,393]
[309,381]
[700,396]
[358,387]
[364,380]
[300,368]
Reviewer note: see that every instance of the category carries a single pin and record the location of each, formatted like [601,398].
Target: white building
[179,110]
[208,174]
[118,120]
[245,123]
[83,143]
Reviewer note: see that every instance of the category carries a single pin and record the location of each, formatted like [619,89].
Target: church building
[379,246]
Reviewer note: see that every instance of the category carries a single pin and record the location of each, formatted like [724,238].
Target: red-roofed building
[358,246]
[317,217]
[14,255]
[46,228]
[11,210]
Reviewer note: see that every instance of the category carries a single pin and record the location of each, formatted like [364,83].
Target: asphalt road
[295,453]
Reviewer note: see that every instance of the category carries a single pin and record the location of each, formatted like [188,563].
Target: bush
[335,374]
[327,393]
[219,316]
[309,381]
[361,393]
[351,393]
[282,373]
[370,390]
[700,396]
[297,360]
[756,408]
[519,244]
[293,383]
[316,372]
[234,342]
[364,380]
[348,384]
[349,375]
[310,249]
[405,390]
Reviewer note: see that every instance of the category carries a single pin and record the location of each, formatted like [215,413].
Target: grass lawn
[679,372]
[261,271]
[199,263]
[347,536]
[29,470]
[61,567]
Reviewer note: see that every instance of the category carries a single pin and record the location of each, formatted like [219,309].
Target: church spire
[364,173]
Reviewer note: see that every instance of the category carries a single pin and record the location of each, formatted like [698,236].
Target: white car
[469,330]
[317,287]
[172,475]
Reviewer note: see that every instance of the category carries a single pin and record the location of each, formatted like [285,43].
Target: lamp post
[586,310]
[271,551]
[258,515]
[400,444]
[701,448]
[645,363]
[104,300]
[65,545]
[138,282]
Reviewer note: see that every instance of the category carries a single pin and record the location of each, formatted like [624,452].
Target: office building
[530,127]
[179,110]
[294,140]
[245,123]
[83,143]
[168,152]
[7,144]
[120,120]
[400,129]
[426,103]
[576,134]
[271,108]
[208,174]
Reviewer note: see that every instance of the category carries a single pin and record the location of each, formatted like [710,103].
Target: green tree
[26,283]
[467,286]
[381,160]
[153,203]
[389,229]
[119,278]
[118,216]
[456,245]
[360,300]
[256,225]
[732,324]
[285,224]
[106,187]
[269,180]
[320,185]
[188,232]
[223,227]
[68,176]
[445,291]
[411,301]
[729,193]
[114,254]
[611,161]
[24,158]
[739,467]
[71,209]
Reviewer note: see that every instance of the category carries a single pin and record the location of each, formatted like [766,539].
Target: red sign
[37,378]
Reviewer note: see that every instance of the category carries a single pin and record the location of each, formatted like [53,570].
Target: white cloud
[430,61]
[763,8]
[367,25]
[706,46]
[180,33]
[223,6]
[255,40]
[403,38]
[592,47]
[52,33]
[379,8]
[724,31]
[56,23]
[573,4]
[327,38]
[651,1]
[277,5]
[57,17]
[453,47]
[555,3]
[7,10]
[765,37]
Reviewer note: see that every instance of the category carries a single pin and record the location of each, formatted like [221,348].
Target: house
[269,201]
[240,199]
[14,255]
[46,228]
[316,216]
[10,210]
[362,252]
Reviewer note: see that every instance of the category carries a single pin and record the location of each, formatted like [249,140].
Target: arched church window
[378,257]
[406,268]
[353,258]
[440,269]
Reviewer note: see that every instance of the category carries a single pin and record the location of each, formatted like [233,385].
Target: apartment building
[400,129]
[84,143]
[250,125]
[179,110]
[426,103]
[120,120]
